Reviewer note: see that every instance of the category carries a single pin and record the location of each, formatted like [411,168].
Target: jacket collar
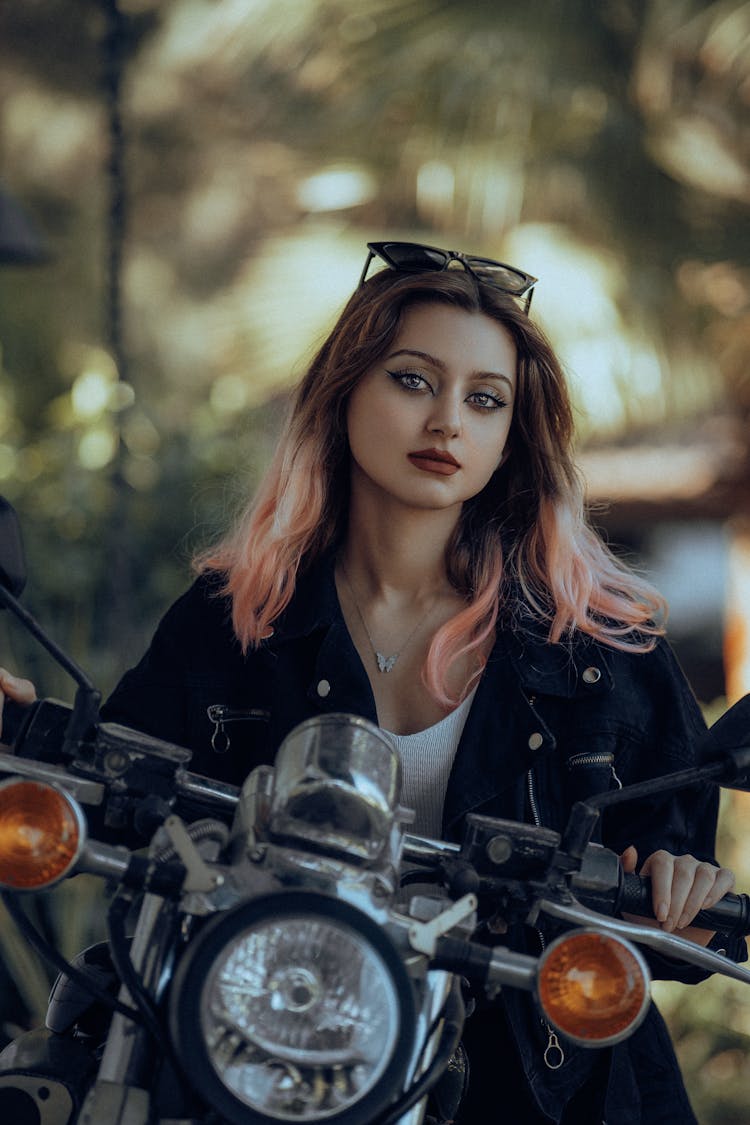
[571,669]
[315,604]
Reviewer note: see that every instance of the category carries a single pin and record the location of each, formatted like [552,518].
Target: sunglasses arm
[370,256]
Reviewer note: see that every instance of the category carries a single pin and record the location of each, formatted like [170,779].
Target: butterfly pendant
[385,663]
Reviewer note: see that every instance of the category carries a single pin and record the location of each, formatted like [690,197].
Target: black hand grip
[731,914]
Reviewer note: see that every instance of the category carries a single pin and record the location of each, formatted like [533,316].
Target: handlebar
[731,914]
[607,889]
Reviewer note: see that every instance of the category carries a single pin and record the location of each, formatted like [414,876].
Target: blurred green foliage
[262,145]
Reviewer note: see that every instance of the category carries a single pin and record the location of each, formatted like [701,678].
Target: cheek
[353,418]
[373,420]
[505,454]
[497,448]
[365,427]
[505,440]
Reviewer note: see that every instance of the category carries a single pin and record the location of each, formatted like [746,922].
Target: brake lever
[667,944]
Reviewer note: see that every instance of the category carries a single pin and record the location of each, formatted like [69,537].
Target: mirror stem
[87,700]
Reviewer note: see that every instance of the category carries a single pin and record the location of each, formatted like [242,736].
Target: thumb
[629,860]
[23,691]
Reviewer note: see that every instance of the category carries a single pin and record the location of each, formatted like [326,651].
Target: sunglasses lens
[410,256]
[497,274]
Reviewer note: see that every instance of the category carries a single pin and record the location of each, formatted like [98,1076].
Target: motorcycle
[288,951]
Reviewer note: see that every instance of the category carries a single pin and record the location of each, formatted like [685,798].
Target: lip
[434,461]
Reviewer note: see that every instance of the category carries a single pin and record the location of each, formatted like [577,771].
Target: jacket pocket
[227,720]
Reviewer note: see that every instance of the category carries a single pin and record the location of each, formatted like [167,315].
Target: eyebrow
[443,367]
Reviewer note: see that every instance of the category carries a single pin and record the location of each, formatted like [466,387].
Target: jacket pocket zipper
[597,758]
[220,714]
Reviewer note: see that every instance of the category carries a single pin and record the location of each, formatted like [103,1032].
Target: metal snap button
[535,740]
[324,689]
[592,675]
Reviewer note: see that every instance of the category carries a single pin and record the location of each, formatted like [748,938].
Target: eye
[410,380]
[487,400]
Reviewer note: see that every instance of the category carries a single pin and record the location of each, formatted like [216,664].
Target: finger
[629,860]
[703,882]
[724,884]
[660,867]
[22,691]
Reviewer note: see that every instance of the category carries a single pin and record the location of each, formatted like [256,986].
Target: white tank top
[426,761]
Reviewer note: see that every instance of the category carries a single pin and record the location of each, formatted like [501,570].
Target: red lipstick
[435,461]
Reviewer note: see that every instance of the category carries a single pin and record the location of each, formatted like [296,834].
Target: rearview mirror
[728,740]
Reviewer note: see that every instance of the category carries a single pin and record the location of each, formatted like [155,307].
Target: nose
[445,417]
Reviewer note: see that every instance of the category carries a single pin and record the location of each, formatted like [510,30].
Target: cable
[126,971]
[49,953]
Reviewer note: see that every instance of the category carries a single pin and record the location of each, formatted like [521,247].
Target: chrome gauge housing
[335,788]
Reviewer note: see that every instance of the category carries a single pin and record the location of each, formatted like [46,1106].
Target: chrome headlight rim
[194,972]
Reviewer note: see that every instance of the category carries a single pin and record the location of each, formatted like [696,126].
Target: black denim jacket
[549,725]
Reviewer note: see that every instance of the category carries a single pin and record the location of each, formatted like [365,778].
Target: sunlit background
[196,181]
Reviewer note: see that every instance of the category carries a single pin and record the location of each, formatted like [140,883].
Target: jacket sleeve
[679,822]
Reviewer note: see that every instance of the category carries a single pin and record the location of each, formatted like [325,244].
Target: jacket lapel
[505,734]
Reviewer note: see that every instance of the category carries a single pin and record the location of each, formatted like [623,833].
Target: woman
[418,554]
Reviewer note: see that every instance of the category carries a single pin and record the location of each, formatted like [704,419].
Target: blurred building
[681,504]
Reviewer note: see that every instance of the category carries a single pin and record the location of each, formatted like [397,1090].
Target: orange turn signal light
[593,987]
[42,831]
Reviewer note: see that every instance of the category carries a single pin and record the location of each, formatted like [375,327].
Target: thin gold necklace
[384,663]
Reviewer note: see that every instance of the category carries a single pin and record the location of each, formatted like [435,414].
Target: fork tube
[127,1046]
[437,989]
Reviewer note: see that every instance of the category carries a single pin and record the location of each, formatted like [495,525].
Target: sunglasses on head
[412,257]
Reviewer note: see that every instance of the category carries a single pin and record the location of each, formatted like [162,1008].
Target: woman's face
[428,423]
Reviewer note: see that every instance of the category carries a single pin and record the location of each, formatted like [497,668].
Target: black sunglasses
[412,257]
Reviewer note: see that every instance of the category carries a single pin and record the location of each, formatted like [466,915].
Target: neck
[390,551]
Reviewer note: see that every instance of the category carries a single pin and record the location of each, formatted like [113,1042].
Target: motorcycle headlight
[294,1007]
[593,987]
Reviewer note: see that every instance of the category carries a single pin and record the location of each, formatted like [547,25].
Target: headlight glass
[302,1014]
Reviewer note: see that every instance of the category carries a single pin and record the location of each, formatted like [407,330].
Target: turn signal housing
[593,987]
[42,832]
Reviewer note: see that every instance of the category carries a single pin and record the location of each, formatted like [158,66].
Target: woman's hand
[22,691]
[680,887]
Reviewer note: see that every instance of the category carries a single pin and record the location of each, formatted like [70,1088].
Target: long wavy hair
[522,548]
